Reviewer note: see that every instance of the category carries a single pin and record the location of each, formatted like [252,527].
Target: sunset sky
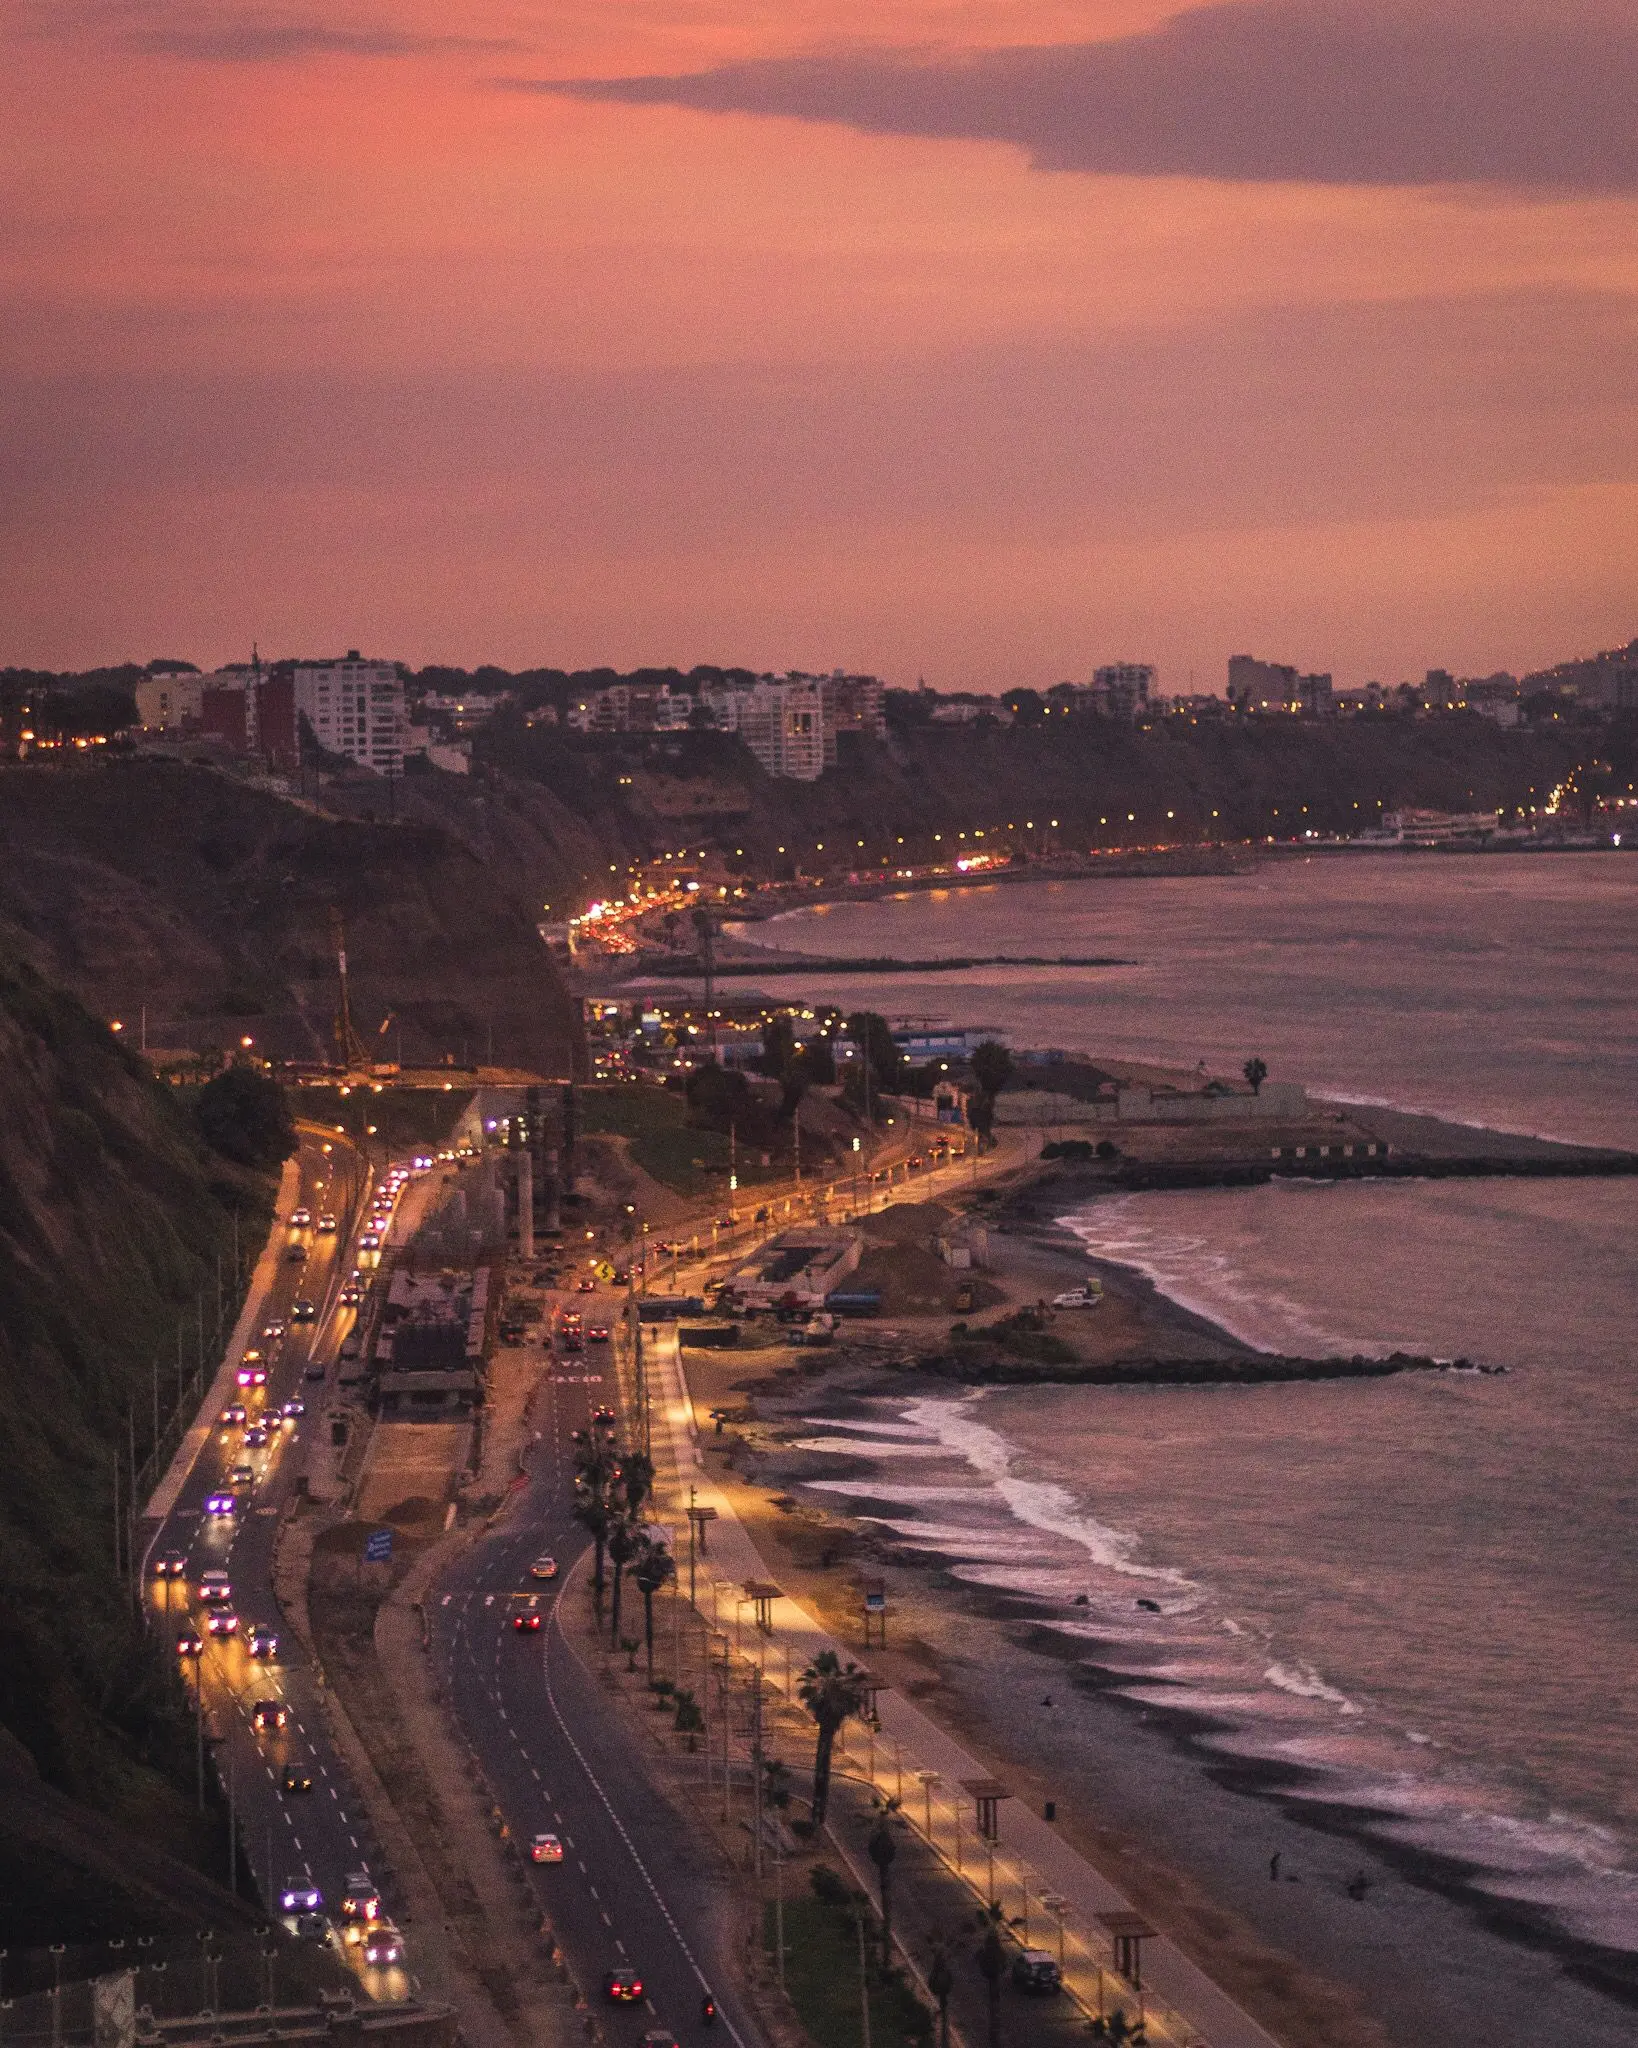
[983,340]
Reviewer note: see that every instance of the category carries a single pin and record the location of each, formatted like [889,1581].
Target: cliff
[145,883]
[112,1216]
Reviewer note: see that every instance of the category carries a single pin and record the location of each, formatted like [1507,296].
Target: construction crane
[350,1054]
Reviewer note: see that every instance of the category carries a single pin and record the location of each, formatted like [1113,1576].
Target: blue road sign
[378,1547]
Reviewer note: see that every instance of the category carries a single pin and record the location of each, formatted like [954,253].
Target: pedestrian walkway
[1018,1858]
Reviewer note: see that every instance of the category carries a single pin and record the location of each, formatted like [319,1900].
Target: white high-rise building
[356,709]
[783,724]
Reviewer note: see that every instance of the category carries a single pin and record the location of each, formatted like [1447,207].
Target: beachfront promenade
[1041,1882]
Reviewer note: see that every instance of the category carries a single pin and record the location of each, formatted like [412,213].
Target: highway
[308,1836]
[630,1892]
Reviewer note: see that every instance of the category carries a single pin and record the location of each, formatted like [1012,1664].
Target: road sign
[378,1547]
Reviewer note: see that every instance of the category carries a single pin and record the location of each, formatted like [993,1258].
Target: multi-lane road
[632,1891]
[308,1834]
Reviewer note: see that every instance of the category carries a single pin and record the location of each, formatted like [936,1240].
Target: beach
[1362,1938]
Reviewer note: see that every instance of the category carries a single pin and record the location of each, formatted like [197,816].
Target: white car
[1089,1296]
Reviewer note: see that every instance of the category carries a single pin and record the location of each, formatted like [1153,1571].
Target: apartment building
[783,724]
[355,708]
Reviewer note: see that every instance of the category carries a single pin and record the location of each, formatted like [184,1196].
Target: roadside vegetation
[823,1965]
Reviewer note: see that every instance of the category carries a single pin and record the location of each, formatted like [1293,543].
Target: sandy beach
[1357,1940]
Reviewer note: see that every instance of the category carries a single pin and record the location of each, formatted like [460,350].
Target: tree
[1256,1072]
[878,1048]
[941,1982]
[831,1692]
[243,1115]
[636,1479]
[992,1962]
[992,1069]
[653,1568]
[882,1849]
[624,1538]
[594,1483]
[778,1043]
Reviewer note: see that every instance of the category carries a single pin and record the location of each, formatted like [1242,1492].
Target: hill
[145,883]
[113,1214]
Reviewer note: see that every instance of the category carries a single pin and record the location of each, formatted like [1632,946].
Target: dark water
[1426,1589]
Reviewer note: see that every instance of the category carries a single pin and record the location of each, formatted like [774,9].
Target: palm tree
[1256,1072]
[941,1982]
[992,1961]
[624,1538]
[636,1479]
[653,1568]
[882,1849]
[831,1692]
[594,1482]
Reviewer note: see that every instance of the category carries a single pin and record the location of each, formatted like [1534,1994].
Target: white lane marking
[447,1598]
[619,1824]
[489,1599]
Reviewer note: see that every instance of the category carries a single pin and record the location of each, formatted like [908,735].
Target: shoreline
[1186,1824]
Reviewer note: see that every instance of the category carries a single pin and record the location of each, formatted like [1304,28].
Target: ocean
[1416,1598]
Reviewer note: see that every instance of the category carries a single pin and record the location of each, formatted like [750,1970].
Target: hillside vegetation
[148,883]
[113,1214]
[1105,784]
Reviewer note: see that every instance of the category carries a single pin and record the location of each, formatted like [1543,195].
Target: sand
[1187,1832]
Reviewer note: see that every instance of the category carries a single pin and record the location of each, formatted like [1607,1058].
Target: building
[355,708]
[1436,828]
[783,724]
[168,702]
[797,1269]
[1274,686]
[429,1354]
[1121,689]
[851,704]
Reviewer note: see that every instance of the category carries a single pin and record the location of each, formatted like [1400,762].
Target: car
[585,1287]
[256,1437]
[1036,1970]
[294,1409]
[573,1341]
[1089,1296]
[603,1416]
[546,1849]
[327,1223]
[369,1242]
[273,1331]
[242,1475]
[526,1621]
[224,1622]
[300,1218]
[221,1507]
[383,1945]
[263,1642]
[622,1987]
[301,1895]
[233,1416]
[189,1645]
[215,1589]
[597,1334]
[543,1568]
[302,1311]
[252,1375]
[351,1296]
[658,2037]
[171,1564]
[315,1371]
[361,1902]
[295,1255]
[293,1781]
[267,1716]
[312,1927]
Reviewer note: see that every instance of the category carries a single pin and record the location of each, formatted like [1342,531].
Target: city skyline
[893,341]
